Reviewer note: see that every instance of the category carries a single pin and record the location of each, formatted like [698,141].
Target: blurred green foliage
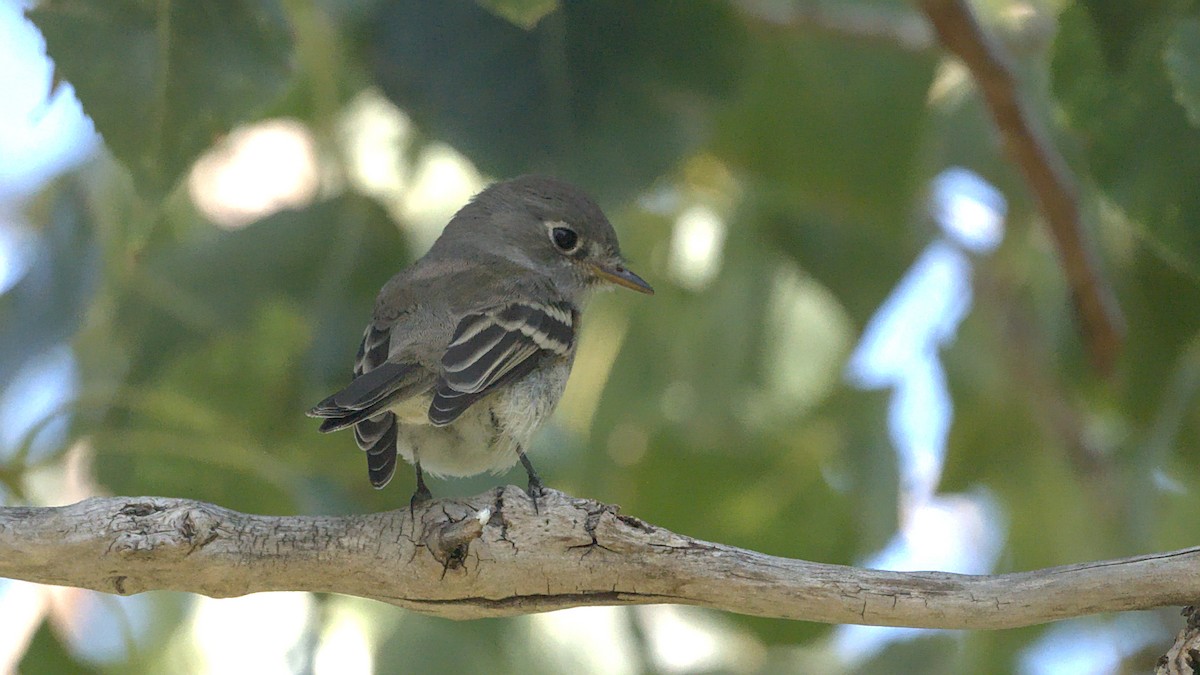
[200,347]
[164,79]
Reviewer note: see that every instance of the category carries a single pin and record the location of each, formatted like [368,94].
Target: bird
[469,348]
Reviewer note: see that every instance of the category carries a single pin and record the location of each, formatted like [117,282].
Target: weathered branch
[1046,172]
[493,555]
[905,29]
[1183,658]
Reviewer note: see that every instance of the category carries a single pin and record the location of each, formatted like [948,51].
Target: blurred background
[863,349]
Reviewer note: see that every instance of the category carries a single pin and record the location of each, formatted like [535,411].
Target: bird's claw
[535,491]
[420,497]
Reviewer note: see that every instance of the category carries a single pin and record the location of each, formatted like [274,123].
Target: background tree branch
[493,555]
[1046,172]
[897,26]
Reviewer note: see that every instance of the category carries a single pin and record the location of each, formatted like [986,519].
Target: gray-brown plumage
[469,349]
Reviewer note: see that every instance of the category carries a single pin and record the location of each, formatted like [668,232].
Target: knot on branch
[449,539]
[153,526]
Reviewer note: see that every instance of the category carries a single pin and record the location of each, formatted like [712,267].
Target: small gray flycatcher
[469,348]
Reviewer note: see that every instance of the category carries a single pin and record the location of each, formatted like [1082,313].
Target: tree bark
[494,555]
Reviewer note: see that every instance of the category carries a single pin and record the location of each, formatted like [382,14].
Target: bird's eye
[565,239]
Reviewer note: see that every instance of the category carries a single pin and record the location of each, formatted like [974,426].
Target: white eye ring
[564,238]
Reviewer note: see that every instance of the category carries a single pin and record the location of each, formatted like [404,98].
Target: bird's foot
[420,497]
[535,491]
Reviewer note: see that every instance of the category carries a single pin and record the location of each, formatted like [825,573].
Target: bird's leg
[536,489]
[422,493]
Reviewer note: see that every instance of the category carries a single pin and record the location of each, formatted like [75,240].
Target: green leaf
[46,655]
[610,95]
[216,413]
[230,338]
[842,139]
[1141,150]
[163,80]
[1121,24]
[184,294]
[1182,57]
[523,13]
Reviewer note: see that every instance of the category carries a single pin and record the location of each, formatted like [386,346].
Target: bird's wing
[497,345]
[377,384]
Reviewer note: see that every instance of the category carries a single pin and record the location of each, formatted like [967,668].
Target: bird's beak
[615,272]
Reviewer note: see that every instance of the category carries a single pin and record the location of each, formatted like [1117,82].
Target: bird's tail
[377,437]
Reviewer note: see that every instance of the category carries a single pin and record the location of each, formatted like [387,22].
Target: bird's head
[551,227]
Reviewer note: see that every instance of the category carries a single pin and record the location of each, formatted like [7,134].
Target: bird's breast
[487,436]
[529,402]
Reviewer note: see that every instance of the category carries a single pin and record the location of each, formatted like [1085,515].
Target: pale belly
[487,436]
